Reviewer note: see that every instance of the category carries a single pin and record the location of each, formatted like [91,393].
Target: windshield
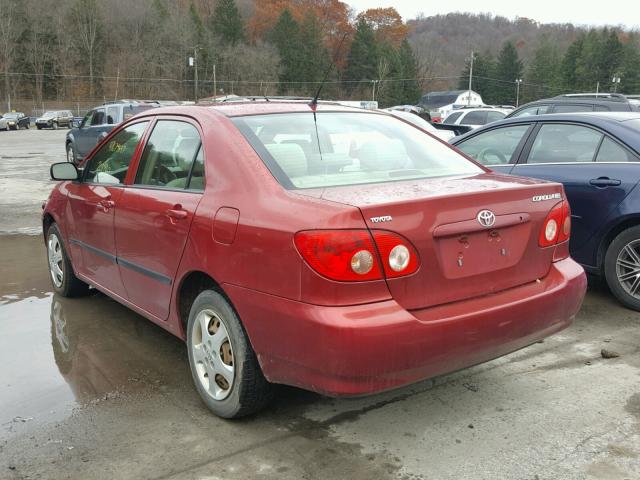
[347,149]
[49,115]
[11,115]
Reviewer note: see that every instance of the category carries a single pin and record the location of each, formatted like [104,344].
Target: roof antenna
[314,102]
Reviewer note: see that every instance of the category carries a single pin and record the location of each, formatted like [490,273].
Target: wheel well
[47,220]
[192,285]
[613,233]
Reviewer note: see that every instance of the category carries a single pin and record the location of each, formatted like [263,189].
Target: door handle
[605,182]
[177,213]
[106,205]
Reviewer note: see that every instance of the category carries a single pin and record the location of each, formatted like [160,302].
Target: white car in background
[475,117]
[414,119]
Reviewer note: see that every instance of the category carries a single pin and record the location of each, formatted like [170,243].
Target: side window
[610,151]
[169,155]
[534,110]
[96,119]
[451,119]
[494,116]
[495,147]
[86,121]
[111,163]
[112,115]
[572,108]
[558,143]
[475,118]
[601,108]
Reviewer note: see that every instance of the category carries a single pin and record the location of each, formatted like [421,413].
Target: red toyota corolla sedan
[335,249]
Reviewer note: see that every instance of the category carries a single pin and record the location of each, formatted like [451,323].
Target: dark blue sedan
[597,158]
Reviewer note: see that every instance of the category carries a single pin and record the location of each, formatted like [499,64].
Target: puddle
[57,354]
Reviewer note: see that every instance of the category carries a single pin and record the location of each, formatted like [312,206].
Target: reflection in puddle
[58,353]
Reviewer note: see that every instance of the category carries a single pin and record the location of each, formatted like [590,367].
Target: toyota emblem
[486,218]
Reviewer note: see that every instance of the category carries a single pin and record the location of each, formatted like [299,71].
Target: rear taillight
[398,256]
[557,226]
[351,255]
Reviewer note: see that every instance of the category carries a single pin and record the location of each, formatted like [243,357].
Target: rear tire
[218,347]
[622,267]
[63,279]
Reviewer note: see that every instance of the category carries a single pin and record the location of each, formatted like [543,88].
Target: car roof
[253,107]
[616,123]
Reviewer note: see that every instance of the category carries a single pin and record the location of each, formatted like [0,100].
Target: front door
[93,202]
[155,213]
[596,171]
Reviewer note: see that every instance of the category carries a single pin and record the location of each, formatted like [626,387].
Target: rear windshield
[437,100]
[347,149]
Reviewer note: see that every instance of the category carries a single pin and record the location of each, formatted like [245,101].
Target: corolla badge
[486,218]
[550,196]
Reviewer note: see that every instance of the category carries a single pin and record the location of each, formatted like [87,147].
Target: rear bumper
[368,348]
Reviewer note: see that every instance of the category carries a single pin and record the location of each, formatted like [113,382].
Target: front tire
[54,125]
[224,367]
[63,280]
[622,267]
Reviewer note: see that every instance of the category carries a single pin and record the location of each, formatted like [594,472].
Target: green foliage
[484,67]
[410,88]
[509,68]
[284,36]
[227,23]
[362,60]
[543,77]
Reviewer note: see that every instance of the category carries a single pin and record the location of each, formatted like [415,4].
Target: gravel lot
[90,390]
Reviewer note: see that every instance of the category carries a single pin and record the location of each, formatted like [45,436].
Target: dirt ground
[90,390]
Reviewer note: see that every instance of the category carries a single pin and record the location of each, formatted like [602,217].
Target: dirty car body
[356,252]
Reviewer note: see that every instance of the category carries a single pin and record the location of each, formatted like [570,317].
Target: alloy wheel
[628,268]
[54,253]
[213,354]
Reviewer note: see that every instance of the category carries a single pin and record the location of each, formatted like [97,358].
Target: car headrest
[290,157]
[185,151]
[383,154]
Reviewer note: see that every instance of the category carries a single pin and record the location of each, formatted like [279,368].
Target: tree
[409,65]
[227,22]
[569,67]
[509,68]
[285,36]
[313,58]
[11,29]
[543,75]
[483,81]
[87,22]
[387,25]
[362,60]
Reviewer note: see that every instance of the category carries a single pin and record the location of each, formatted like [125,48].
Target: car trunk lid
[461,256]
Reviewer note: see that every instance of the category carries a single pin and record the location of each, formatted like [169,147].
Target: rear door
[93,202]
[155,212]
[596,170]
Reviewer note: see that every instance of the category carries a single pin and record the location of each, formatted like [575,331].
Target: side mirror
[64,171]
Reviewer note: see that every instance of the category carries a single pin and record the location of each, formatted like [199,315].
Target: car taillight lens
[345,255]
[352,255]
[398,256]
[557,226]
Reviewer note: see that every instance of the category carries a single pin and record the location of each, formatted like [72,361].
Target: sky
[585,12]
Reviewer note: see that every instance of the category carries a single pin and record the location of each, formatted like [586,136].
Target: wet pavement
[91,390]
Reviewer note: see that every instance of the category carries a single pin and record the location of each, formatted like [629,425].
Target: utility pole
[215,92]
[373,90]
[470,78]
[195,73]
[616,82]
[518,82]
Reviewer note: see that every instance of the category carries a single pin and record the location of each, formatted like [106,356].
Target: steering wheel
[488,152]
[164,175]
